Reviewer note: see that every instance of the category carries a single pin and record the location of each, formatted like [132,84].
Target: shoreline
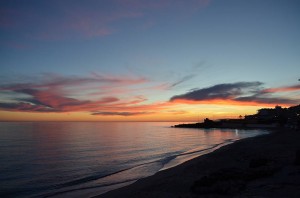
[219,126]
[265,165]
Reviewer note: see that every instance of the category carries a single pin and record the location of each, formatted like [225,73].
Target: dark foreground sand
[264,166]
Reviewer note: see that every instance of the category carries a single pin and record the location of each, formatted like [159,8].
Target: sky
[147,60]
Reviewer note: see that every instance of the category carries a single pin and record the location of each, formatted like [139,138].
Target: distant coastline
[265,118]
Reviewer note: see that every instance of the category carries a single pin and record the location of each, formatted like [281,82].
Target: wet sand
[264,166]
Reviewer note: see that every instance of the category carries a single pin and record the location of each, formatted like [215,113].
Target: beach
[262,166]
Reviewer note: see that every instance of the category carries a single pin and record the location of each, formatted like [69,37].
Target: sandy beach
[264,166]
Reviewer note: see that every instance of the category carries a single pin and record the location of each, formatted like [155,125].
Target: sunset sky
[147,60]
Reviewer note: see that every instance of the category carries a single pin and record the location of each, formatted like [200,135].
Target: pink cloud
[46,101]
[283,89]
[56,93]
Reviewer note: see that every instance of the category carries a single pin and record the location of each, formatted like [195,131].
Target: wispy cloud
[66,19]
[182,80]
[116,113]
[283,89]
[55,81]
[250,93]
[56,93]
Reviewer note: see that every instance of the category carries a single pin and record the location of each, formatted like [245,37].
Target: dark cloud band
[238,92]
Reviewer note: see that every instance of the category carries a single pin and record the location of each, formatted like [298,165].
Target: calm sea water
[83,159]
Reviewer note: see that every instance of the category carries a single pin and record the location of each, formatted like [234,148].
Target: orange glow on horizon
[192,112]
[228,102]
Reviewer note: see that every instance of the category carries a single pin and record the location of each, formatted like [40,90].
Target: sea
[85,159]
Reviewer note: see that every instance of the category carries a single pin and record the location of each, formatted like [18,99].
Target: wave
[154,166]
[83,188]
[201,150]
